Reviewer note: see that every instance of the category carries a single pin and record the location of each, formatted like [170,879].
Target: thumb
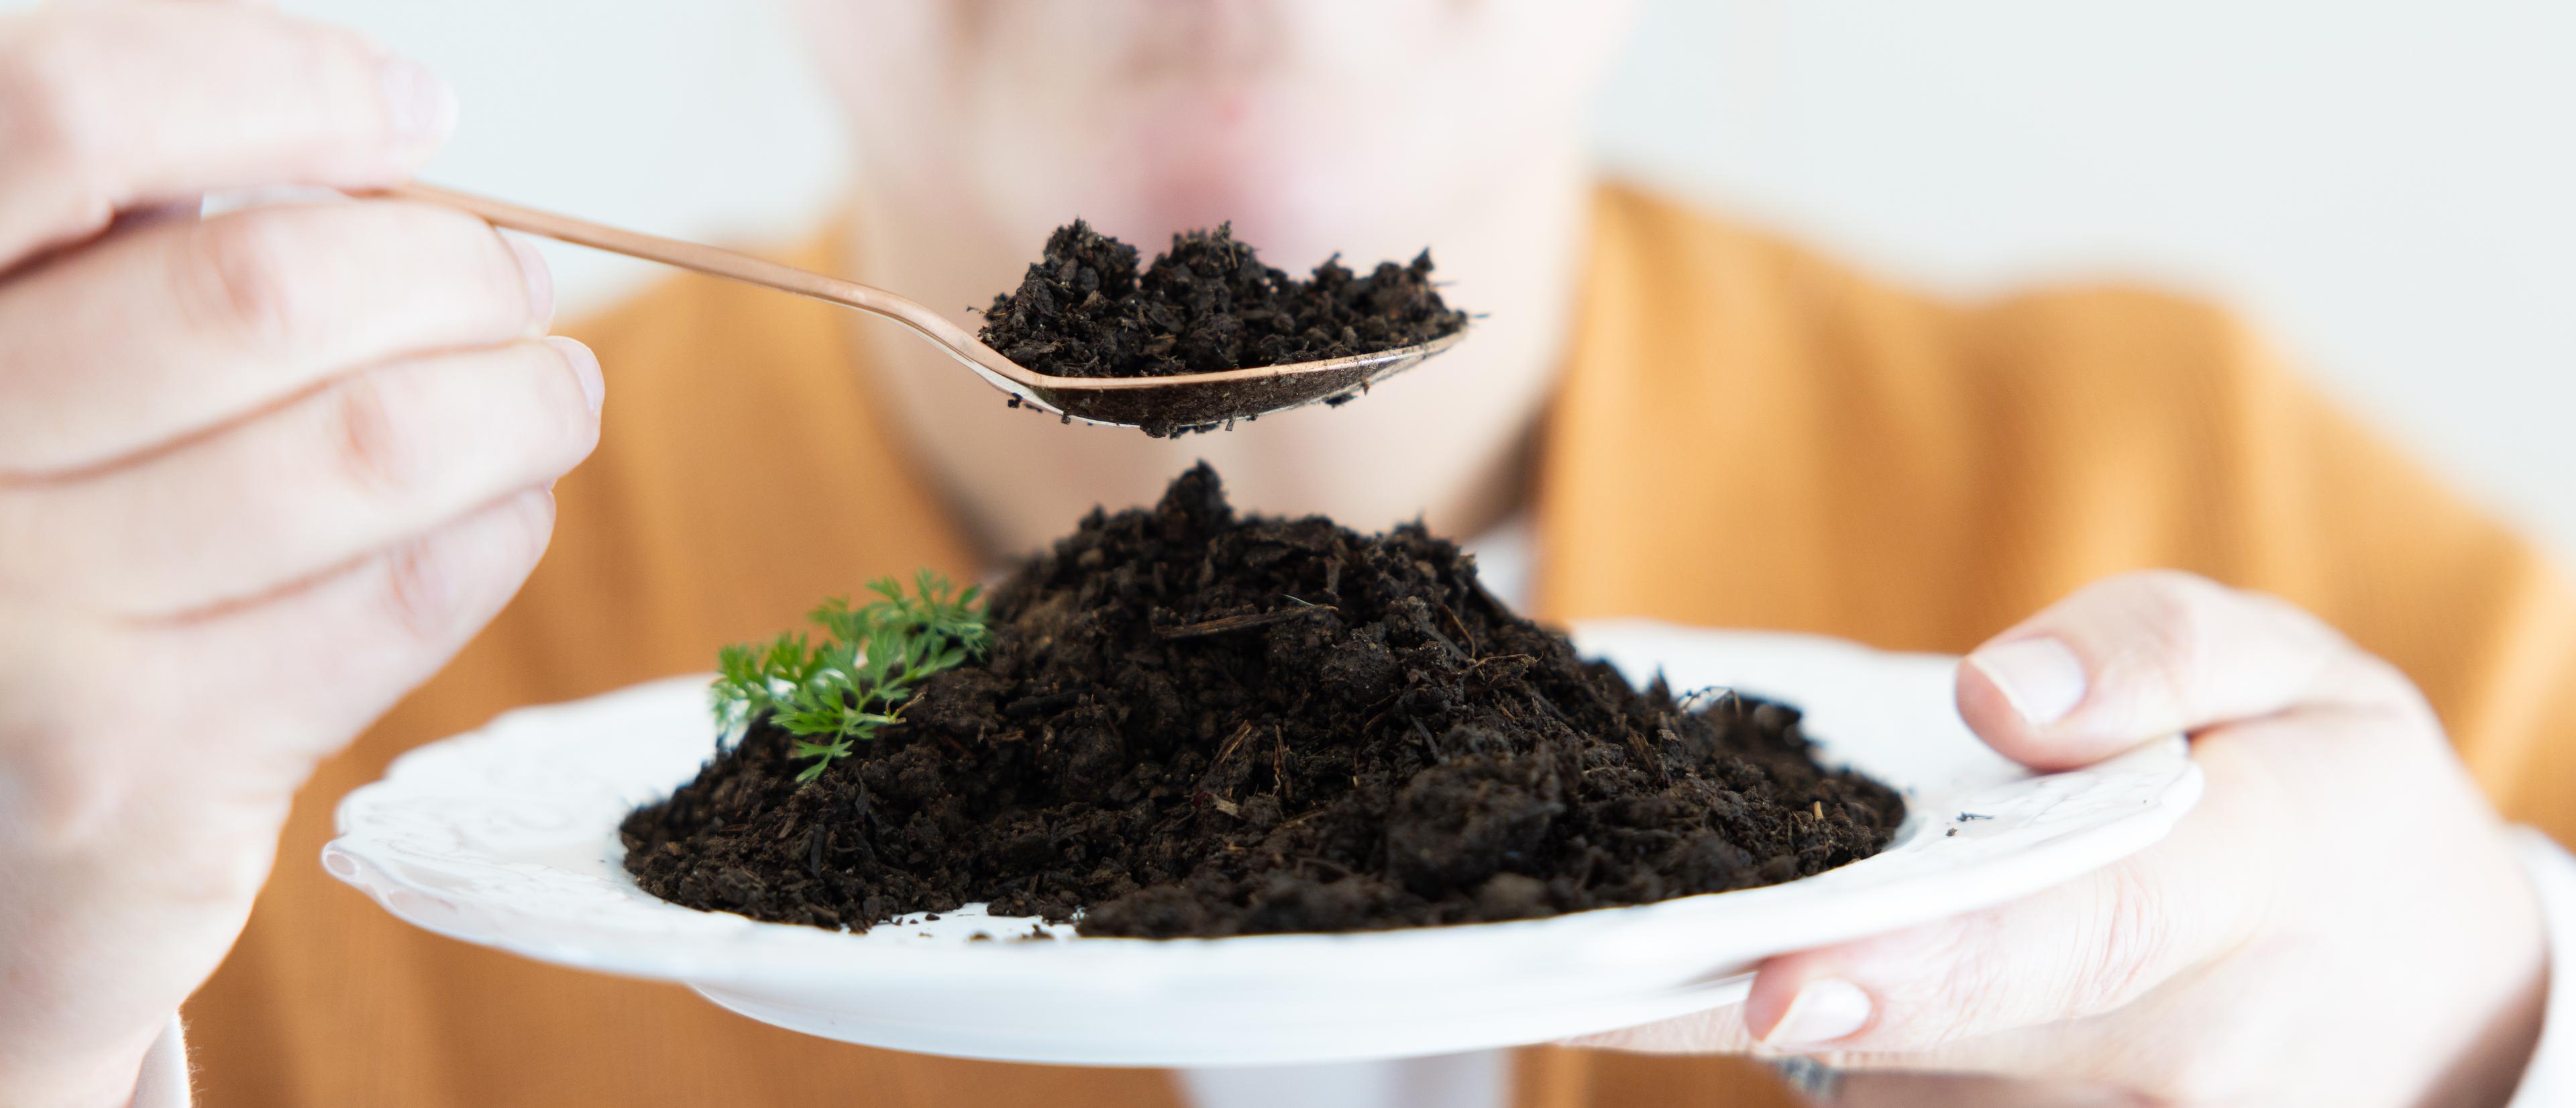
[1992,991]
[2148,654]
[2120,661]
[1917,996]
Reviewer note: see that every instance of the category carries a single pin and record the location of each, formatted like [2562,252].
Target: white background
[2389,189]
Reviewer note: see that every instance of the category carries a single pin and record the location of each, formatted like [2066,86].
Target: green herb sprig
[839,691]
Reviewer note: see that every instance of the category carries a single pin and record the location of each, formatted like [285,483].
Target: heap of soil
[1209,304]
[1191,723]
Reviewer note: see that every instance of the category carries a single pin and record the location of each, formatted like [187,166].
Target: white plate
[507,837]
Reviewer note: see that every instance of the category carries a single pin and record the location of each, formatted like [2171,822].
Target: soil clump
[1194,723]
[1085,309]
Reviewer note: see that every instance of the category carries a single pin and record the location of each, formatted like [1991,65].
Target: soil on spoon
[1085,310]
[1192,723]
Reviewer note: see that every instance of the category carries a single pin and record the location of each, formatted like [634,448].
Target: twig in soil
[1344,870]
[1455,650]
[1301,818]
[1384,707]
[1461,625]
[1279,762]
[1238,623]
[1227,751]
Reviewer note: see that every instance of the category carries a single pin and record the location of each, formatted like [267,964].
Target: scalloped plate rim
[782,964]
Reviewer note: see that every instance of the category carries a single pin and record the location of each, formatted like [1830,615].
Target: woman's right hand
[260,475]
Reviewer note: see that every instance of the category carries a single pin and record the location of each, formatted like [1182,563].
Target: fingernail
[2041,677]
[539,277]
[1826,1009]
[585,369]
[419,106]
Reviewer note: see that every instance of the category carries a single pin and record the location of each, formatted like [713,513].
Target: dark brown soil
[1193,723]
[1209,304]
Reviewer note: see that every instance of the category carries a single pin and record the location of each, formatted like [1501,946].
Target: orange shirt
[1746,435]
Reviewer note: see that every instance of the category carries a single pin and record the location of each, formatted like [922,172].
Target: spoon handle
[1332,376]
[712,261]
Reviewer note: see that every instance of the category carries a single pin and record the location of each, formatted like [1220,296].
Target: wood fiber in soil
[1192,723]
[1085,310]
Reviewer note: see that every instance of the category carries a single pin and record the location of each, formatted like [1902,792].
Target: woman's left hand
[2340,921]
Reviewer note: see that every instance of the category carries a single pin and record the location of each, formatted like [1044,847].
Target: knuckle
[54,806]
[2168,638]
[370,443]
[239,278]
[420,589]
[56,795]
[435,585]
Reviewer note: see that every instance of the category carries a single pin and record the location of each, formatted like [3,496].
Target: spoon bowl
[1160,405]
[1198,400]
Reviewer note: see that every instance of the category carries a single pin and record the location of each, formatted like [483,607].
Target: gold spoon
[1181,400]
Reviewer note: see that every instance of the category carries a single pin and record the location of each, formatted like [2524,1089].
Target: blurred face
[1314,125]
[1371,127]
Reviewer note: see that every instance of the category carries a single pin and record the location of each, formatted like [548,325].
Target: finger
[1952,991]
[374,457]
[176,328]
[318,663]
[106,107]
[2149,654]
[2074,951]
[2081,949]
[1715,1031]
[298,672]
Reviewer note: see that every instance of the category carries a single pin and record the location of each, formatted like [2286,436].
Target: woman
[268,472]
